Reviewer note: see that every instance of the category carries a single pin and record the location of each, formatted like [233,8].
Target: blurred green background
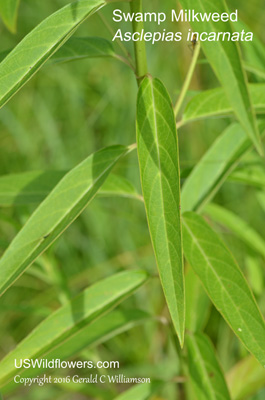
[68,111]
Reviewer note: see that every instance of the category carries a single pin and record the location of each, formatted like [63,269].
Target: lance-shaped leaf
[214,103]
[8,12]
[224,283]
[252,173]
[204,369]
[214,167]
[225,59]
[68,330]
[33,187]
[236,225]
[159,169]
[40,44]
[77,48]
[57,212]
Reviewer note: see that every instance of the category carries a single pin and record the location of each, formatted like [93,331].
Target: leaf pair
[205,252]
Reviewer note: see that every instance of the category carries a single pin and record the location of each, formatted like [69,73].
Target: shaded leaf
[214,103]
[66,201]
[252,173]
[40,44]
[224,57]
[224,283]
[9,12]
[204,369]
[159,169]
[236,225]
[69,329]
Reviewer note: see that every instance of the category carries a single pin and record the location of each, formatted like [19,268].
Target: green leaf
[214,103]
[252,173]
[224,57]
[40,44]
[214,167]
[57,212]
[251,373]
[9,12]
[67,330]
[33,187]
[236,225]
[224,283]
[197,303]
[255,272]
[140,392]
[204,370]
[77,48]
[159,169]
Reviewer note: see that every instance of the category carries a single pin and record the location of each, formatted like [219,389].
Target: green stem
[139,46]
[187,80]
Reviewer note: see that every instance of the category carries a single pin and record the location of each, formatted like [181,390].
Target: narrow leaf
[84,47]
[214,103]
[252,173]
[40,44]
[214,167]
[9,12]
[140,392]
[204,369]
[159,169]
[70,328]
[236,225]
[33,187]
[224,57]
[57,212]
[224,283]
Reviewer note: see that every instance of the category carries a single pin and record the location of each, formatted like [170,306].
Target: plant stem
[139,46]
[187,80]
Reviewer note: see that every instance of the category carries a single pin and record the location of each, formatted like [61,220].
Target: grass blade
[225,59]
[66,330]
[224,283]
[214,103]
[57,212]
[159,169]
[9,12]
[40,44]
[236,225]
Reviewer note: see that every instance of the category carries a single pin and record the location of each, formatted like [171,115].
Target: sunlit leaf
[159,168]
[143,391]
[40,44]
[66,201]
[214,103]
[33,187]
[224,283]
